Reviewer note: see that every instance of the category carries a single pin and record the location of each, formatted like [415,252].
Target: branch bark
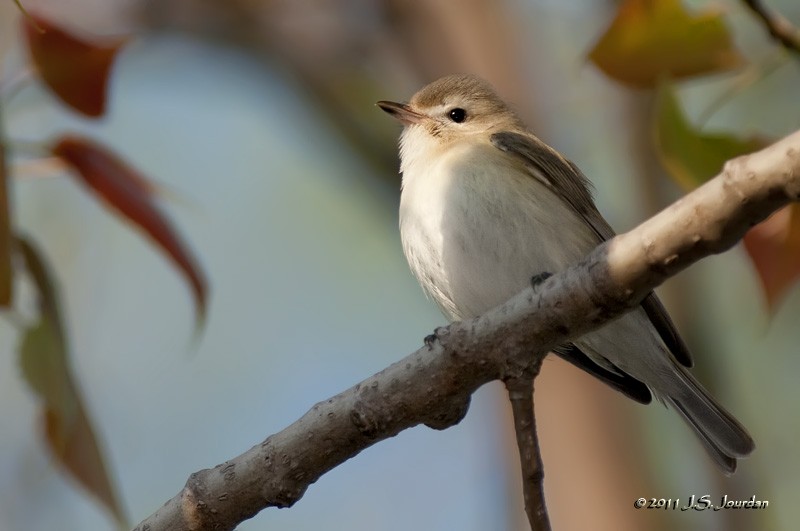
[520,393]
[433,385]
[778,27]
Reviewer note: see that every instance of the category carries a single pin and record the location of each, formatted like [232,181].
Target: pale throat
[416,147]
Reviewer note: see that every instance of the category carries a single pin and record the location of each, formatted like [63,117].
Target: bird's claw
[539,278]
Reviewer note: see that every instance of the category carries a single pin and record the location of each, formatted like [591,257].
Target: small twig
[13,86]
[39,168]
[520,392]
[34,149]
[28,16]
[781,29]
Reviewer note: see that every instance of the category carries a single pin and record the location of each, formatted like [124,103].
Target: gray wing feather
[621,381]
[572,186]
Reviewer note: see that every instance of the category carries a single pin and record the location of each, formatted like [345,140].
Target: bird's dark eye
[458,115]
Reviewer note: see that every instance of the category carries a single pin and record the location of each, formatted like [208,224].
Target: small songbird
[486,206]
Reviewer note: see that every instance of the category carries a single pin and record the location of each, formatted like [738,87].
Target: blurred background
[259,119]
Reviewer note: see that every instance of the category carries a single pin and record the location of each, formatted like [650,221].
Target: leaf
[75,70]
[44,359]
[774,248]
[692,157]
[132,195]
[6,270]
[651,39]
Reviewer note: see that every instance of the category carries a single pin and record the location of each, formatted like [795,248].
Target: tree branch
[520,393]
[779,28]
[433,385]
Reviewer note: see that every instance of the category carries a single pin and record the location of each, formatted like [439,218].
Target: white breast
[476,226]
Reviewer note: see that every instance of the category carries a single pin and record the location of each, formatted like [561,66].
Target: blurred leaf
[44,360]
[76,70]
[774,248]
[692,157]
[650,39]
[128,192]
[6,271]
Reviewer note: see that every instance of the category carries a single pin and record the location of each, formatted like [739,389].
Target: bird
[485,206]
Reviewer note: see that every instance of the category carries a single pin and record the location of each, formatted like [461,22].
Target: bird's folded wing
[567,181]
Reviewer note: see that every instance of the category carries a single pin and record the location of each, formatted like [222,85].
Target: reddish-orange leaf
[76,70]
[774,248]
[651,39]
[45,363]
[6,271]
[129,193]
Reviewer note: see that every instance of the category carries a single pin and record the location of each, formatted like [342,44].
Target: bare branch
[520,393]
[779,28]
[434,384]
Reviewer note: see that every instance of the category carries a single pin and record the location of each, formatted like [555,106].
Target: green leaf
[692,157]
[651,39]
[44,359]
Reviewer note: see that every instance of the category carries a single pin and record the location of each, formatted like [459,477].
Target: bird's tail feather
[722,435]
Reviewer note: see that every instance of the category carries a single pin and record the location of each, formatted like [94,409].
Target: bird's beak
[401,111]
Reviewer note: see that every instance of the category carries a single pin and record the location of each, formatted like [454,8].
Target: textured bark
[520,393]
[433,385]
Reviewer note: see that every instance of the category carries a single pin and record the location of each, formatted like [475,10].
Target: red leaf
[6,271]
[76,70]
[774,248]
[129,193]
[45,363]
